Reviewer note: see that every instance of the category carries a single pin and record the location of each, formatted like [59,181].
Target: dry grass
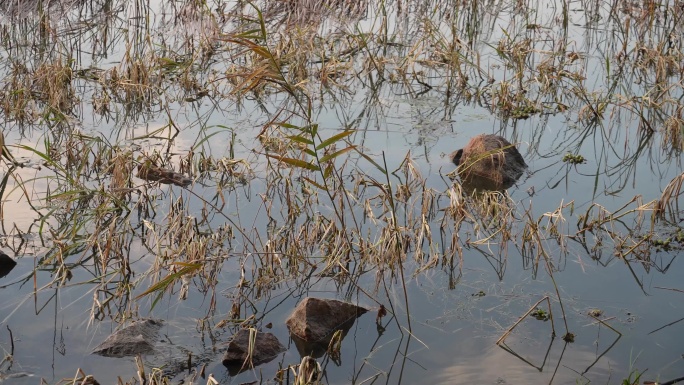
[333,207]
[668,205]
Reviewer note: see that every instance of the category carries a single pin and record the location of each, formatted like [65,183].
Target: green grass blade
[301,139]
[336,154]
[171,278]
[334,139]
[295,162]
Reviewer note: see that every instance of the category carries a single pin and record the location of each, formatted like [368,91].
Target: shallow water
[458,308]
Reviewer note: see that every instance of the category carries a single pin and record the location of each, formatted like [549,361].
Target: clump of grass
[663,63]
[511,102]
[309,372]
[669,200]
[46,90]
[309,13]
[121,170]
[134,84]
[673,131]
[16,100]
[53,82]
[634,378]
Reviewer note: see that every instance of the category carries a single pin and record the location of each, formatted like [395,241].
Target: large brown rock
[315,320]
[266,348]
[489,162]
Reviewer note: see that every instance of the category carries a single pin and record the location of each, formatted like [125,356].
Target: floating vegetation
[524,112]
[540,315]
[574,159]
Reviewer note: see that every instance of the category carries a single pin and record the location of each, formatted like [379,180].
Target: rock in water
[314,321]
[266,348]
[137,338]
[489,162]
[6,264]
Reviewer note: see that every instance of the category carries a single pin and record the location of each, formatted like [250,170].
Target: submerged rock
[489,162]
[6,264]
[137,338]
[315,320]
[266,348]
[151,172]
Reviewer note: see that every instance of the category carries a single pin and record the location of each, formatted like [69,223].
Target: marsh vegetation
[213,163]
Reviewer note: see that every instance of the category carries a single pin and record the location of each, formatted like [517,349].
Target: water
[262,223]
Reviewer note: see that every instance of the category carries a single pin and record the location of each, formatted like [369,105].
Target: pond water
[241,97]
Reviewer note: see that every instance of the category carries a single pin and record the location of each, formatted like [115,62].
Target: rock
[137,338]
[6,264]
[315,320]
[266,348]
[151,172]
[489,162]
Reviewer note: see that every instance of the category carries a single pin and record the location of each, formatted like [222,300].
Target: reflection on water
[313,138]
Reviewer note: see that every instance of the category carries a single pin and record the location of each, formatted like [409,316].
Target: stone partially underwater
[137,338]
[6,264]
[488,163]
[237,358]
[314,322]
